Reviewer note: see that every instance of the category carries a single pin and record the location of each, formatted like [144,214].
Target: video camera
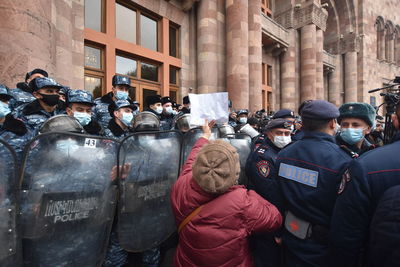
[391,100]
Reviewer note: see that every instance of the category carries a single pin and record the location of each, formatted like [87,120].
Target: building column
[255,56]
[207,47]
[308,58]
[237,52]
[288,75]
[319,65]
[334,87]
[350,76]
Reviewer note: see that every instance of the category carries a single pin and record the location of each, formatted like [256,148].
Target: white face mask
[159,110]
[169,110]
[282,141]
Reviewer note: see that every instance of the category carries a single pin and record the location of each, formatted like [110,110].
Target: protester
[214,215]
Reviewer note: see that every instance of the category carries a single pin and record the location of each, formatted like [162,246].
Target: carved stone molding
[299,16]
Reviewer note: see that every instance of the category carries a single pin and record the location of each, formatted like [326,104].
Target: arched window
[389,41]
[397,45]
[380,38]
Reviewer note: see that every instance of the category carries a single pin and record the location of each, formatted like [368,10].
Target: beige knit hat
[216,167]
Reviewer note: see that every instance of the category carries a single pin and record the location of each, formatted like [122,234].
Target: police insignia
[345,179]
[263,168]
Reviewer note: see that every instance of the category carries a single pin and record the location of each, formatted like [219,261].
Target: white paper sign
[208,106]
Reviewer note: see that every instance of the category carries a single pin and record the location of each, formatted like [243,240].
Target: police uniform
[166,120]
[84,97]
[260,169]
[100,111]
[309,173]
[113,130]
[33,114]
[361,189]
[12,130]
[22,94]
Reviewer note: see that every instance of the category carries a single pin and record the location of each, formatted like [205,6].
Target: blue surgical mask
[169,110]
[121,95]
[82,117]
[243,120]
[158,110]
[4,109]
[351,135]
[127,118]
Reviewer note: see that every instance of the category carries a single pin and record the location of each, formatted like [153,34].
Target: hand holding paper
[208,107]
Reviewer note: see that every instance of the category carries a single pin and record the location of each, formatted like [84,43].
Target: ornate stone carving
[299,16]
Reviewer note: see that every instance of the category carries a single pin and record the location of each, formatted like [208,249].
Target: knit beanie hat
[216,167]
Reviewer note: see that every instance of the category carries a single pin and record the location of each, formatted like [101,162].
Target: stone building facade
[268,54]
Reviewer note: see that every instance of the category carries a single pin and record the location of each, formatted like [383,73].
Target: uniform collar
[271,144]
[35,108]
[107,98]
[14,125]
[319,135]
[115,128]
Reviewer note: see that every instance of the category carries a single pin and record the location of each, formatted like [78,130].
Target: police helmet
[182,122]
[61,123]
[146,121]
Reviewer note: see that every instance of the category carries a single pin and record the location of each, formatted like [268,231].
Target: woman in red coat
[215,216]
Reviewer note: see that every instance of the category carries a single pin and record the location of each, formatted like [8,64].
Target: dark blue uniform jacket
[361,189]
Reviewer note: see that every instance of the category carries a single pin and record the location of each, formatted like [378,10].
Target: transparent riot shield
[151,163]
[190,138]
[242,142]
[9,245]
[68,199]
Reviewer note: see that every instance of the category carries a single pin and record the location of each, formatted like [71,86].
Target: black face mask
[50,100]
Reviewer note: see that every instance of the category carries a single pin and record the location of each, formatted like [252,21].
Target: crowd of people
[322,187]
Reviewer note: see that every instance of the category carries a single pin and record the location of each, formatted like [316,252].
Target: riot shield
[145,217]
[68,199]
[190,138]
[242,142]
[9,245]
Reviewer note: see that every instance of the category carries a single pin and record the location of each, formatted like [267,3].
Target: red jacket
[217,236]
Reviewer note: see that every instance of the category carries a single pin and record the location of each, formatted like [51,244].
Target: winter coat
[218,234]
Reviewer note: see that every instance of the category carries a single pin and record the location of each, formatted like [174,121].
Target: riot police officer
[13,131]
[167,115]
[362,187]
[356,121]
[154,105]
[45,90]
[260,169]
[309,173]
[79,105]
[120,124]
[186,105]
[23,93]
[120,91]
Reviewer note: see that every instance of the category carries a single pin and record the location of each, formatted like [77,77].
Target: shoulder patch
[300,175]
[345,179]
[261,149]
[263,168]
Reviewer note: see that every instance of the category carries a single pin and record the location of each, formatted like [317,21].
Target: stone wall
[42,34]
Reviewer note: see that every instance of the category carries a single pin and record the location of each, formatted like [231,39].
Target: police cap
[186,100]
[35,71]
[121,80]
[5,92]
[242,111]
[80,96]
[319,110]
[278,123]
[42,82]
[153,99]
[358,110]
[165,100]
[119,104]
[283,113]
